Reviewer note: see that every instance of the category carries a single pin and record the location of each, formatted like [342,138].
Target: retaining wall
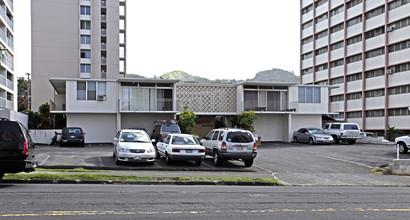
[400,167]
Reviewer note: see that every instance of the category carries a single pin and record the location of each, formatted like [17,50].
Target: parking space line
[42,162]
[100,161]
[347,161]
[208,165]
[269,171]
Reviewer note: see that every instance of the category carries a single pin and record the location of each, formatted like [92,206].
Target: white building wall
[270,127]
[99,128]
[399,122]
[302,121]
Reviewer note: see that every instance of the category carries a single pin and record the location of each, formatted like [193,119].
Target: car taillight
[202,151]
[255,147]
[223,147]
[160,136]
[25,150]
[176,150]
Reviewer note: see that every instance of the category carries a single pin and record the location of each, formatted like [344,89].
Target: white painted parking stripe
[347,161]
[42,162]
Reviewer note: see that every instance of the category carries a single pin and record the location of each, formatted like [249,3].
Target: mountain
[275,75]
[184,77]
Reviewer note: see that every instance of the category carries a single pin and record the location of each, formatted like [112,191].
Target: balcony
[7,62]
[103,31]
[103,3]
[10,4]
[4,103]
[6,82]
[103,46]
[103,17]
[6,18]
[147,105]
[103,60]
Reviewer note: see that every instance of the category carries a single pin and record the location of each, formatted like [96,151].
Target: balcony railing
[271,106]
[104,3]
[137,105]
[103,75]
[103,17]
[10,3]
[103,60]
[4,103]
[6,18]
[6,61]
[8,83]
[103,46]
[103,31]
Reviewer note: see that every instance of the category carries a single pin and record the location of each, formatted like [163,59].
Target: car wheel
[311,141]
[1,175]
[118,162]
[295,139]
[336,140]
[151,163]
[198,162]
[157,153]
[167,159]
[62,144]
[82,144]
[217,159]
[113,154]
[351,141]
[403,148]
[248,163]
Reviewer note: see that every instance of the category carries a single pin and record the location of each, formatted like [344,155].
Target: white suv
[230,144]
[349,132]
[404,143]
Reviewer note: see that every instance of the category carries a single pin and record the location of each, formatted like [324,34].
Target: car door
[304,134]
[214,141]
[163,146]
[115,142]
[206,142]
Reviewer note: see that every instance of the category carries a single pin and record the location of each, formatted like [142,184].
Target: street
[37,201]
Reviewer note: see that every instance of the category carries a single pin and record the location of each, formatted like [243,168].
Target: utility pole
[28,91]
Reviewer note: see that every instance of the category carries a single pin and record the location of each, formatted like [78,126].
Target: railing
[6,18]
[104,3]
[271,106]
[103,60]
[103,46]
[161,104]
[103,17]
[10,3]
[8,83]
[4,103]
[103,31]
[7,62]
[103,75]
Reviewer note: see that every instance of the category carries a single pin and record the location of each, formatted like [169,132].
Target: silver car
[133,146]
[312,136]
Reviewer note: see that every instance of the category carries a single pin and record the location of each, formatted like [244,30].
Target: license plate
[72,136]
[188,151]
[239,148]
[137,158]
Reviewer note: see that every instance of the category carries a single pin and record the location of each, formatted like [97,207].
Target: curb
[216,183]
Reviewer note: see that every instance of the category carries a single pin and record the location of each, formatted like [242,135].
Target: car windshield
[316,131]
[72,131]
[351,127]
[239,137]
[134,137]
[170,128]
[178,140]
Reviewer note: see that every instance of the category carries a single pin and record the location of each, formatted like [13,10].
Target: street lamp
[28,90]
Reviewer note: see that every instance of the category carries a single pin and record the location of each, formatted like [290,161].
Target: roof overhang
[258,83]
[148,80]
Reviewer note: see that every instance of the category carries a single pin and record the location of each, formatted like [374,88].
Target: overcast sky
[230,39]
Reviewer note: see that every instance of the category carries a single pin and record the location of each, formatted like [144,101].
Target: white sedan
[133,146]
[181,147]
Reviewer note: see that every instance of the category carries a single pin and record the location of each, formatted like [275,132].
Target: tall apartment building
[8,80]
[362,46]
[76,39]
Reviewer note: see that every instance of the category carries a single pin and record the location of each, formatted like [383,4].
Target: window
[307,40]
[321,67]
[336,98]
[85,68]
[374,12]
[321,51]
[354,21]
[336,63]
[319,3]
[324,82]
[374,33]
[374,73]
[354,115]
[307,25]
[309,94]
[85,25]
[341,115]
[354,39]
[397,3]
[335,81]
[336,11]
[354,77]
[375,53]
[398,68]
[399,112]
[352,3]
[375,113]
[307,71]
[353,96]
[307,9]
[337,45]
[85,10]
[399,90]
[307,56]
[321,18]
[90,89]
[85,54]
[400,24]
[85,39]
[337,28]
[321,35]
[399,46]
[354,58]
[375,93]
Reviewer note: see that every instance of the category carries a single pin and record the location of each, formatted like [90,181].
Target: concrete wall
[99,128]
[43,136]
[303,121]
[400,167]
[270,127]
[15,116]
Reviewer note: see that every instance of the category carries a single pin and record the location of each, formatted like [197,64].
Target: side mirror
[115,139]
[153,140]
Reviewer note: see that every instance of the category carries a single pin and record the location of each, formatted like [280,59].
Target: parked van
[349,132]
[16,148]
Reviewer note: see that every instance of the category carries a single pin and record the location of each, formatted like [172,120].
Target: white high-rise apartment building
[8,80]
[362,46]
[81,40]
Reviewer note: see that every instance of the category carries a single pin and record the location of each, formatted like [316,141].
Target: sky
[216,39]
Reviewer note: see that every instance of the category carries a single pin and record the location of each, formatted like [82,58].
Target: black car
[72,135]
[16,148]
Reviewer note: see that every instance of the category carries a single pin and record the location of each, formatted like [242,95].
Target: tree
[41,119]
[22,96]
[245,120]
[187,121]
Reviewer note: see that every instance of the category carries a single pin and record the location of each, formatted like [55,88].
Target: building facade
[8,80]
[81,40]
[362,46]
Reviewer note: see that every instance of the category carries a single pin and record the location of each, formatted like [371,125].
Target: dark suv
[72,135]
[16,148]
[162,129]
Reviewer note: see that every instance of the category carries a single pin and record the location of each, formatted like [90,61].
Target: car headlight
[123,149]
[150,150]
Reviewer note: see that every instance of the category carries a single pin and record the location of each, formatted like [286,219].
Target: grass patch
[104,177]
[75,170]
[380,171]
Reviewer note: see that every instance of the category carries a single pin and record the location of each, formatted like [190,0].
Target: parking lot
[294,163]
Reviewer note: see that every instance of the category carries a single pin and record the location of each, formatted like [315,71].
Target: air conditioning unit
[391,28]
[389,71]
[102,98]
